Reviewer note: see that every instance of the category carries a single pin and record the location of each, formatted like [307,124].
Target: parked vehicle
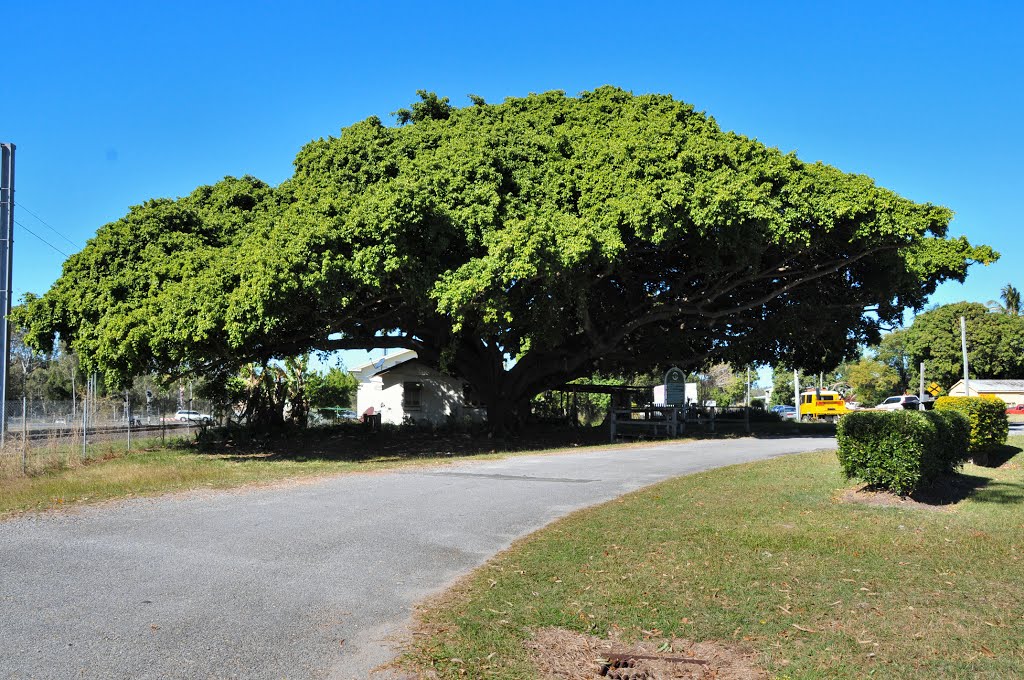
[1016,410]
[909,402]
[826,405]
[185,416]
[785,412]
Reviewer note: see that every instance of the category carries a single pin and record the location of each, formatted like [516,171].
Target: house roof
[378,363]
[400,363]
[993,385]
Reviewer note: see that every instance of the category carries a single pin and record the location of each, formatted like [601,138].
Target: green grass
[748,553]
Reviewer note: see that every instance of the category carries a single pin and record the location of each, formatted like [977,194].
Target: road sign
[934,389]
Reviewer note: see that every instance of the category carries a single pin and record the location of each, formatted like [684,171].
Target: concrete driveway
[300,580]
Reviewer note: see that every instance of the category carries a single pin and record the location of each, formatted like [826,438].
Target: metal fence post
[85,423]
[24,434]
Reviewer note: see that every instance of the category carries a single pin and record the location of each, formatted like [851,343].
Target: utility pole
[963,344]
[6,251]
[796,393]
[920,393]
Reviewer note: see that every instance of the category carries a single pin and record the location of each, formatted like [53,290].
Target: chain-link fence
[42,434]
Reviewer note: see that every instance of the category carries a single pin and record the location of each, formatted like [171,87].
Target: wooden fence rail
[671,421]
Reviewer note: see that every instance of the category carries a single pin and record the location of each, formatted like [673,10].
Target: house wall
[368,394]
[1011,398]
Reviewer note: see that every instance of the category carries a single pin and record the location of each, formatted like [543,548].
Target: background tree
[995,343]
[603,232]
[334,389]
[871,380]
[1012,303]
[782,385]
[892,351]
[723,385]
[27,374]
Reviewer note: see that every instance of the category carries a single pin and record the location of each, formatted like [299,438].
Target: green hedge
[987,417]
[902,450]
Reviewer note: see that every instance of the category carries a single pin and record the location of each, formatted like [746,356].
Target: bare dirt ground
[560,654]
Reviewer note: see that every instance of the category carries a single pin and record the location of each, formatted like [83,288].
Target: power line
[41,238]
[46,224]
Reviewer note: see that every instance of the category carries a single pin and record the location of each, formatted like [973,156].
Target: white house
[691,393]
[401,388]
[1010,391]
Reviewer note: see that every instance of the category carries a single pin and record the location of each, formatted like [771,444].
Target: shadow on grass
[950,489]
[957,487]
[354,444]
[1000,455]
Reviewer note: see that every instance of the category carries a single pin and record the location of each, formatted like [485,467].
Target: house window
[411,394]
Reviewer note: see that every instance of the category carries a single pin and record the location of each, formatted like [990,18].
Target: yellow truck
[824,405]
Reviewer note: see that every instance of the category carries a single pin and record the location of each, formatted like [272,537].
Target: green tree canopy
[569,234]
[892,351]
[871,380]
[1011,304]
[995,343]
[335,388]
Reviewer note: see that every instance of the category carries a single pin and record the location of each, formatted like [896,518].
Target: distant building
[1010,391]
[403,389]
[691,393]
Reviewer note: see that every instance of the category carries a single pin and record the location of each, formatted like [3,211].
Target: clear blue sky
[112,103]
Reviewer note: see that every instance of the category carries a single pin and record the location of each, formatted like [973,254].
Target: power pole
[963,344]
[920,393]
[796,393]
[6,251]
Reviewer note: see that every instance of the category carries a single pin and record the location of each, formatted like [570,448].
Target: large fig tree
[518,245]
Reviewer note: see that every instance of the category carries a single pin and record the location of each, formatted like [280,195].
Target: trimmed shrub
[901,450]
[989,425]
[953,447]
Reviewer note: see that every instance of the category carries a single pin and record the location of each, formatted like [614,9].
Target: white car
[909,402]
[184,416]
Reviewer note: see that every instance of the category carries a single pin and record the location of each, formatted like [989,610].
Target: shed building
[403,389]
[1010,391]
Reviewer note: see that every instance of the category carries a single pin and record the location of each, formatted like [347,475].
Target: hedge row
[902,450]
[987,417]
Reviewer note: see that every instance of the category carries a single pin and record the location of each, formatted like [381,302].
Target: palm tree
[1012,303]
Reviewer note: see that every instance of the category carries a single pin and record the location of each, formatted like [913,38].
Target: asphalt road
[302,580]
